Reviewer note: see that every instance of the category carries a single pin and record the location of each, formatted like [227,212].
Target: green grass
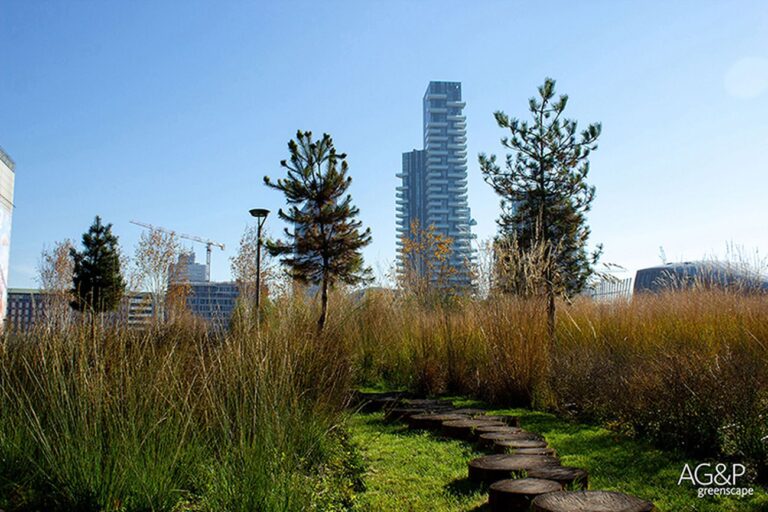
[411,471]
[417,471]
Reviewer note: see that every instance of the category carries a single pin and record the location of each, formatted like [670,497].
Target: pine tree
[98,282]
[325,243]
[544,191]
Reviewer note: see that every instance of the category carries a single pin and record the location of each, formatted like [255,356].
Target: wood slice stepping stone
[506,429]
[512,421]
[492,468]
[426,402]
[506,445]
[532,451]
[589,501]
[516,495]
[488,440]
[469,411]
[569,477]
[433,421]
[465,429]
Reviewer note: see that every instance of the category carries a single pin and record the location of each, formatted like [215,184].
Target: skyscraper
[434,181]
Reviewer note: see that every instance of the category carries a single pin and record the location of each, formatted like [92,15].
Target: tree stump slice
[492,468]
[569,477]
[512,421]
[465,429]
[426,403]
[469,411]
[515,495]
[551,452]
[488,440]
[590,501]
[433,421]
[505,445]
[494,428]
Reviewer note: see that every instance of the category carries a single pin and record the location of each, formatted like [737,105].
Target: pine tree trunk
[323,306]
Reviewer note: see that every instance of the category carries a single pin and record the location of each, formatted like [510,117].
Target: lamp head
[259,213]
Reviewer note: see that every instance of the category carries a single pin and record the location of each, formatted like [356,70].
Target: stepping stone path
[490,439]
[465,429]
[491,468]
[524,474]
[590,501]
[516,495]
[572,478]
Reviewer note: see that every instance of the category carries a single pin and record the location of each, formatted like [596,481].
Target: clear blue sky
[171,112]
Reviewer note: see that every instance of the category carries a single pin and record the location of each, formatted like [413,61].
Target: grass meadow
[174,419]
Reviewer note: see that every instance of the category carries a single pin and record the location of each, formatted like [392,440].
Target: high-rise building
[433,194]
[185,270]
[6,213]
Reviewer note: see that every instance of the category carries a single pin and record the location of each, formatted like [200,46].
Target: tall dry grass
[686,370]
[171,419]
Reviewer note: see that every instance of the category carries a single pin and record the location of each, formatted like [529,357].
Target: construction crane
[208,243]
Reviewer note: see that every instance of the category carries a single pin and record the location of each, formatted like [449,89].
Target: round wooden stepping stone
[506,445]
[469,411]
[426,402]
[488,440]
[433,421]
[589,501]
[516,495]
[570,477]
[465,429]
[551,452]
[492,468]
[512,421]
[494,428]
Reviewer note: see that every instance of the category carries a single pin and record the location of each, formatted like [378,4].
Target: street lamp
[261,217]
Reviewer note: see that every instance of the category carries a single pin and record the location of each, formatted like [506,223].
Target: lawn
[418,471]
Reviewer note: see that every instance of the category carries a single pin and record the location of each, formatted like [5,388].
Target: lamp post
[261,217]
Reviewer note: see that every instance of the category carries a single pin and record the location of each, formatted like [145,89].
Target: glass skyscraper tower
[434,181]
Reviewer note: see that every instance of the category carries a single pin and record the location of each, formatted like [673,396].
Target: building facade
[30,307]
[7,176]
[213,302]
[185,270]
[433,192]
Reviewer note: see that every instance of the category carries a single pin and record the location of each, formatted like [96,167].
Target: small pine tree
[544,191]
[325,243]
[97,281]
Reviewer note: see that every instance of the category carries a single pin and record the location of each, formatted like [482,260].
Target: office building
[433,192]
[28,307]
[185,270]
[7,175]
[213,302]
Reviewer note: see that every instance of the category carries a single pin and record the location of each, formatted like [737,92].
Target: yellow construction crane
[208,243]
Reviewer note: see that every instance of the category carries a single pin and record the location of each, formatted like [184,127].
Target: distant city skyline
[173,115]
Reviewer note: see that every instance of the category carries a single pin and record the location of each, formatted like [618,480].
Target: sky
[171,113]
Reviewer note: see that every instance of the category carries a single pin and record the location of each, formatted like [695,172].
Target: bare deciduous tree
[153,262]
[55,279]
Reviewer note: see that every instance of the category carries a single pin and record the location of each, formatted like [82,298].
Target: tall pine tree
[96,278]
[324,246]
[544,191]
